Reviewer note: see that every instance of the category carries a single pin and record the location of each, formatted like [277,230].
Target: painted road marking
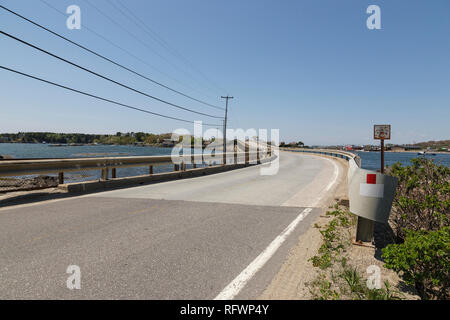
[235,286]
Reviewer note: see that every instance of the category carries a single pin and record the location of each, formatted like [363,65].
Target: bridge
[222,235]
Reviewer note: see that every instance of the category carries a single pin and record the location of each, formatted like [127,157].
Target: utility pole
[225,129]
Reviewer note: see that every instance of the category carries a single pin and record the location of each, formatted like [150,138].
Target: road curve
[186,239]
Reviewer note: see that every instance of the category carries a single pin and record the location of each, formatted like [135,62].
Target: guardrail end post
[60,177]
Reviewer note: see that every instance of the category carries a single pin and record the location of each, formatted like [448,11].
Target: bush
[423,261]
[422,200]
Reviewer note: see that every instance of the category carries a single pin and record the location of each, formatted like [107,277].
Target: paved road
[190,239]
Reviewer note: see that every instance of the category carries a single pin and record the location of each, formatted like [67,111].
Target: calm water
[25,150]
[370,160]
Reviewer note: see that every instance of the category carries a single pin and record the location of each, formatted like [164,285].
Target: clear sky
[307,67]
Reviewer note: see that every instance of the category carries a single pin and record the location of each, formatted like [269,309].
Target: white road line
[336,174]
[235,286]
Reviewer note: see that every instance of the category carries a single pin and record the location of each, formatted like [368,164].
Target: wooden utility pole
[225,129]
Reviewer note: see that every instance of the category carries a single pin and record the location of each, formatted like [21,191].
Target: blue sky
[309,68]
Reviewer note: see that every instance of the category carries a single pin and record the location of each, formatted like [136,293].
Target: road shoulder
[290,283]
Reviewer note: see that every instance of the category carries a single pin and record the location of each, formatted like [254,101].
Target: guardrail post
[176,167]
[247,156]
[258,160]
[150,170]
[113,173]
[60,177]
[104,175]
[364,230]
[194,165]
[235,150]
[224,155]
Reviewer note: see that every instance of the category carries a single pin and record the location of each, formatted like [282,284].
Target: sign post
[382,132]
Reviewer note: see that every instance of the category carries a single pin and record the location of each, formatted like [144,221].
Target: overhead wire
[105,58]
[121,48]
[152,34]
[106,78]
[98,97]
[145,44]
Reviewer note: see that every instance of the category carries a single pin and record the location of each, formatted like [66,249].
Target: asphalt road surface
[218,236]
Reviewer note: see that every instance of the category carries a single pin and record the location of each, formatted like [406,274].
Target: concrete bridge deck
[224,235]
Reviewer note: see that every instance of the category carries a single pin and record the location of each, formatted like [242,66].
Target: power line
[159,39]
[138,39]
[106,78]
[121,48]
[105,58]
[98,97]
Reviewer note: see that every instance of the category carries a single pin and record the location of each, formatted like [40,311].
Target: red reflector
[371,178]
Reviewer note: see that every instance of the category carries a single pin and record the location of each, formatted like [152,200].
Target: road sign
[382,131]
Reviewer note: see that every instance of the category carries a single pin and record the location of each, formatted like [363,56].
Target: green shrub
[422,200]
[423,261]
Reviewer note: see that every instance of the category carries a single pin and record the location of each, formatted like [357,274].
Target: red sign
[371,178]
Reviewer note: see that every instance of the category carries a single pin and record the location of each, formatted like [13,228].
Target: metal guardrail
[11,168]
[329,152]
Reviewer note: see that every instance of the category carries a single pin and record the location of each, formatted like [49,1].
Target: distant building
[168,143]
[397,148]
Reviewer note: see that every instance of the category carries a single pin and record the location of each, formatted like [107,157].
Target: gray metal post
[364,230]
[104,174]
[258,160]
[61,178]
[235,149]
[247,156]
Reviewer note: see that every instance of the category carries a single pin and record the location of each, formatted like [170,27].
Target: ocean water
[30,150]
[371,160]
[36,150]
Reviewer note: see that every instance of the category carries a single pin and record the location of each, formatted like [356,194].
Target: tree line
[81,138]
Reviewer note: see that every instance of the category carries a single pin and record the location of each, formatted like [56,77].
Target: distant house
[168,143]
[397,148]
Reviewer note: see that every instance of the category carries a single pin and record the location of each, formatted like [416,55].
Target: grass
[337,279]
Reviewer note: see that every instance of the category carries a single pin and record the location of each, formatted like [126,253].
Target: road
[218,236]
